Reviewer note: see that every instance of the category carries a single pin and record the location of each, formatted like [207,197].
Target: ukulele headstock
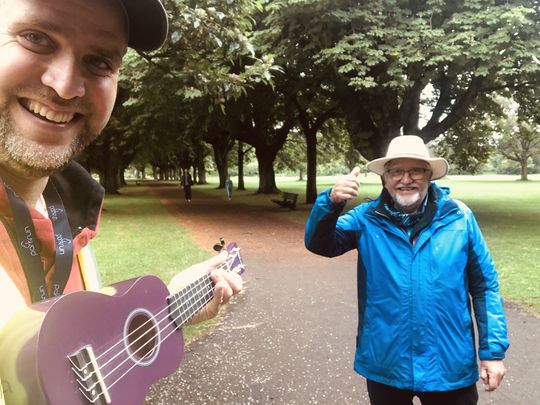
[234,262]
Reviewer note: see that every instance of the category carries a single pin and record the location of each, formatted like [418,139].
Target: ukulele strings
[126,350]
[203,300]
[82,388]
[225,266]
[201,284]
[196,283]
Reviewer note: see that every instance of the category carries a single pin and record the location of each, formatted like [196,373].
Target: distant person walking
[229,187]
[186,183]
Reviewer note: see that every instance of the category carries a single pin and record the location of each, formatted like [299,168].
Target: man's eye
[35,41]
[99,65]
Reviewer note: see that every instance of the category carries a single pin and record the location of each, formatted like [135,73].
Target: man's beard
[405,203]
[31,159]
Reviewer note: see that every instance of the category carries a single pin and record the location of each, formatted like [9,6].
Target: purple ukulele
[93,348]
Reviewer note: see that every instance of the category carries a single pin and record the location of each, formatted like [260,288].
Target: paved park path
[289,337]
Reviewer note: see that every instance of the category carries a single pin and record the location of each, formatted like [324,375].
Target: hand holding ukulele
[120,341]
[226,284]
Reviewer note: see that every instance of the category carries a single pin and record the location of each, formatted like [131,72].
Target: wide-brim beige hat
[412,147]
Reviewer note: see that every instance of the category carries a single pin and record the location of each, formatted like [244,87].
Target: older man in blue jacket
[421,258]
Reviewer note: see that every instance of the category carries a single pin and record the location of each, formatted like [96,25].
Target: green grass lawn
[509,215]
[138,236]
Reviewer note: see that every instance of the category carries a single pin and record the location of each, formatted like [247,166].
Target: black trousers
[187,192]
[380,394]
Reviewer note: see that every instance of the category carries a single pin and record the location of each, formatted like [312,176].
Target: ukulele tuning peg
[218,247]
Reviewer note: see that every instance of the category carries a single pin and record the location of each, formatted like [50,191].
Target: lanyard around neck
[28,243]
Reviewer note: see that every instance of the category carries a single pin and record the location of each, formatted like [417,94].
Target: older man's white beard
[404,203]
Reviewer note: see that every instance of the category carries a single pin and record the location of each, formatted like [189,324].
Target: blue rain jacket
[415,329]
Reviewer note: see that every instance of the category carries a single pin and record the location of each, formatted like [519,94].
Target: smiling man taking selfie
[59,68]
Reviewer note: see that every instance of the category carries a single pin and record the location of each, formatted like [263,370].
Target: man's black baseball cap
[148,24]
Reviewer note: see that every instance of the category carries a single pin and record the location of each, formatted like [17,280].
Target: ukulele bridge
[89,377]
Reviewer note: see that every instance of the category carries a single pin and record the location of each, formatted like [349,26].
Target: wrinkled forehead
[406,163]
[95,18]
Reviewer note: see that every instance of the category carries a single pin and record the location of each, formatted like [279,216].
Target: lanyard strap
[28,244]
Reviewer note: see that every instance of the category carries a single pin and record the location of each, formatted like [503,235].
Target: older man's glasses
[416,173]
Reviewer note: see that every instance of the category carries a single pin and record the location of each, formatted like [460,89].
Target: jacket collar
[81,195]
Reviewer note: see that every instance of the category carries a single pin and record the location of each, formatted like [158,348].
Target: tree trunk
[524,169]
[202,173]
[266,138]
[267,177]
[311,184]
[240,163]
[141,172]
[220,157]
[109,171]
[108,178]
[122,177]
[310,127]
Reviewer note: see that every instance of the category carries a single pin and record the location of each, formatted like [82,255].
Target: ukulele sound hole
[142,337]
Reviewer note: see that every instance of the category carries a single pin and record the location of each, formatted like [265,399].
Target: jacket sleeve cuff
[328,204]
[489,355]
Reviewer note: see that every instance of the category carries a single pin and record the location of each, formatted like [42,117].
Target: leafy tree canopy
[384,54]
